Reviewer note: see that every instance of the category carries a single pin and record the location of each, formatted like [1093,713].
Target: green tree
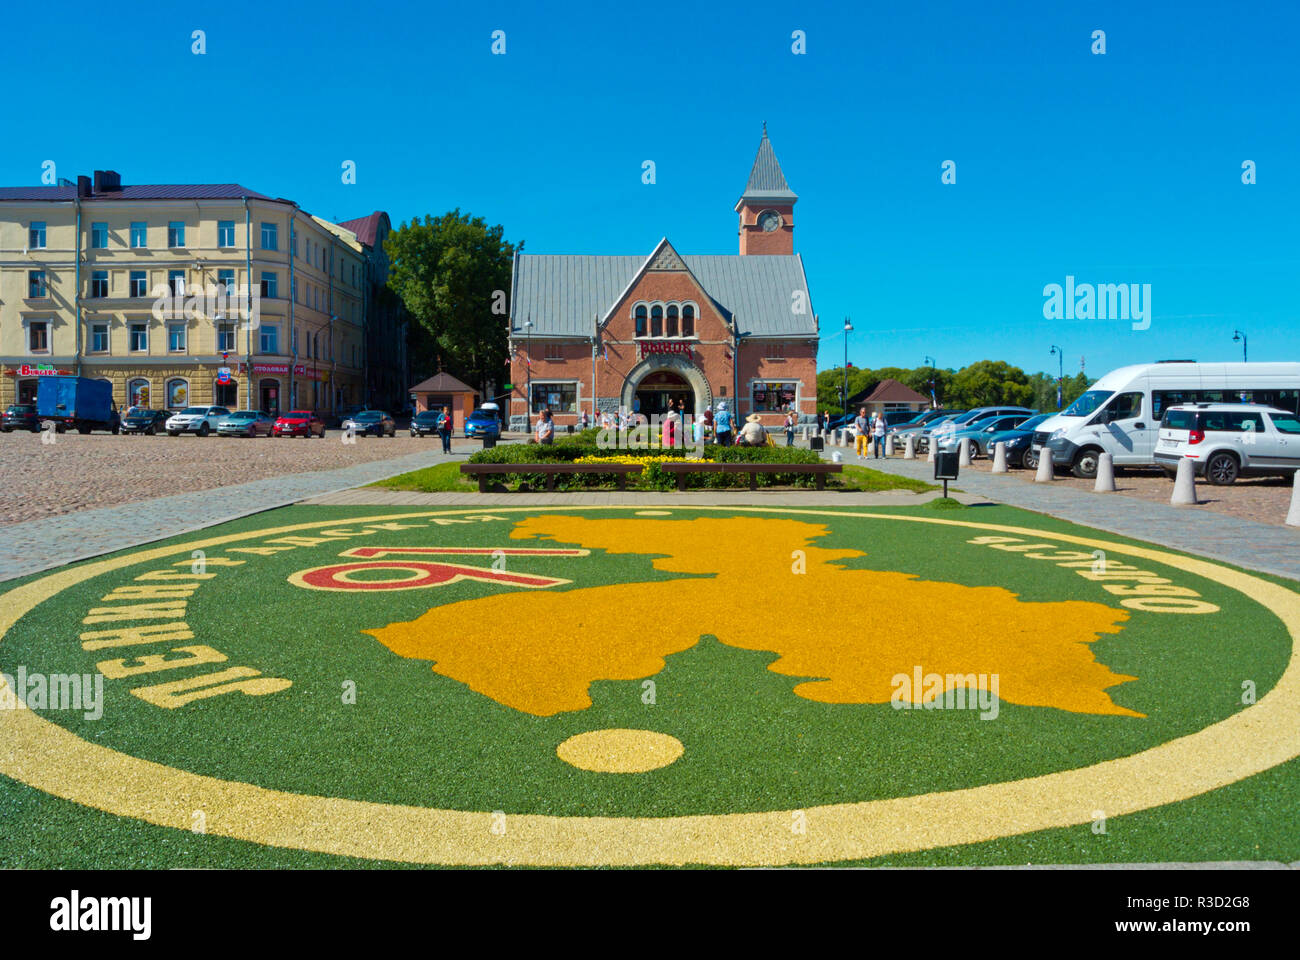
[453,274]
[988,383]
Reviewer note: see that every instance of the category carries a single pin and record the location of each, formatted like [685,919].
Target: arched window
[657,321]
[137,393]
[640,320]
[672,320]
[688,321]
[178,394]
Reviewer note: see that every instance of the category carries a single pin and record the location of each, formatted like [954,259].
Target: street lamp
[934,404]
[1238,335]
[528,400]
[1060,379]
[844,394]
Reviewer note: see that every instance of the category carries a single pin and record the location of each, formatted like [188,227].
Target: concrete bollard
[1046,471]
[1105,474]
[1293,515]
[999,458]
[963,456]
[929,456]
[1184,494]
[889,445]
[909,451]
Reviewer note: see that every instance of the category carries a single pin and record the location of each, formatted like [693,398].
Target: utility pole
[1060,374]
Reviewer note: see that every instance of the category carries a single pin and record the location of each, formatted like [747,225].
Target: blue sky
[1117,168]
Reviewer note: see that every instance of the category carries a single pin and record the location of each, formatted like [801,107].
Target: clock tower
[766,207]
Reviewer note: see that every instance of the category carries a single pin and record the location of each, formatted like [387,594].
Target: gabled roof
[565,296]
[891,391]
[141,191]
[766,181]
[441,383]
[366,228]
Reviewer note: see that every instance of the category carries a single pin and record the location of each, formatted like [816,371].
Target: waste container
[489,441]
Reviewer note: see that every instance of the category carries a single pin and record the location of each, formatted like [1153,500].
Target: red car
[298,423]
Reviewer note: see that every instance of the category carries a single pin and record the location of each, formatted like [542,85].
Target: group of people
[721,427]
[870,433]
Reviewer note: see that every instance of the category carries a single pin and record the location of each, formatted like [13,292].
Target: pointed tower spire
[766,207]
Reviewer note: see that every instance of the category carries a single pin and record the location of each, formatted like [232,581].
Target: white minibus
[1120,413]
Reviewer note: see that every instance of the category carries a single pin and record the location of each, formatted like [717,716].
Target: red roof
[366,228]
[891,391]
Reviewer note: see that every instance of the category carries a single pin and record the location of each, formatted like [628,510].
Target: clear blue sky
[1117,168]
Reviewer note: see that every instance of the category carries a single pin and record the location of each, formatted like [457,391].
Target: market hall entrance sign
[687,384]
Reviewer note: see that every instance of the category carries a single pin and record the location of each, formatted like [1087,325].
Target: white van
[1120,413]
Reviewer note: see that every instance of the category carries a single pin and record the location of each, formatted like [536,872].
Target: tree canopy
[453,274]
[982,384]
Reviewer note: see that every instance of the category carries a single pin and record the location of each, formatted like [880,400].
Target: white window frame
[97,330]
[225,231]
[143,225]
[94,230]
[271,230]
[95,277]
[130,336]
[271,330]
[138,286]
[172,329]
[47,334]
[36,234]
[176,235]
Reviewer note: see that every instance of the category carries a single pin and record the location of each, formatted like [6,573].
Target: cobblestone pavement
[100,470]
[1235,539]
[53,541]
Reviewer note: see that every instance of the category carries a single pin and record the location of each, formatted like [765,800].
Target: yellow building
[179,295]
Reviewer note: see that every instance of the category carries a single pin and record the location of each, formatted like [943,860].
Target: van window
[1127,406]
[1087,403]
[1179,420]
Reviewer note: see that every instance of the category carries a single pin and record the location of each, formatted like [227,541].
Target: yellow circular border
[45,756]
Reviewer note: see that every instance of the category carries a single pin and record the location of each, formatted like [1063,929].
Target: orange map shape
[851,631]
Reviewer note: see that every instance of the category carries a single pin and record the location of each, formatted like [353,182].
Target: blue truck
[77,403]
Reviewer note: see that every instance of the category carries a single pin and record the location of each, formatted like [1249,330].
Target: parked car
[198,420]
[484,422]
[1228,440]
[79,403]
[246,423]
[1019,442]
[144,420]
[962,421]
[298,423]
[372,421]
[979,431]
[425,423]
[20,416]
[915,427]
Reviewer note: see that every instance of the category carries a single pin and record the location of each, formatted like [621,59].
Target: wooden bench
[818,470]
[485,470]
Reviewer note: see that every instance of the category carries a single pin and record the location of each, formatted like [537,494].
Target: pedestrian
[723,424]
[826,422]
[753,434]
[546,428]
[878,434]
[789,428]
[584,420]
[708,423]
[672,425]
[863,427]
[444,429]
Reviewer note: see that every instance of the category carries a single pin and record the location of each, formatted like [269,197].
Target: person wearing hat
[752,434]
[722,424]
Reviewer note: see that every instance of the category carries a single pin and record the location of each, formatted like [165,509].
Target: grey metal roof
[564,295]
[146,191]
[766,181]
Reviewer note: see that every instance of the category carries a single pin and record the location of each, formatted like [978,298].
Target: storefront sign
[40,370]
[282,370]
[647,348]
[223,375]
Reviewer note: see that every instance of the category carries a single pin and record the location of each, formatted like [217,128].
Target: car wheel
[1029,460]
[204,429]
[1222,469]
[7,429]
[1085,464]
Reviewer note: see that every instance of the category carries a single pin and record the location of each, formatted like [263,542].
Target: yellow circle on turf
[620,751]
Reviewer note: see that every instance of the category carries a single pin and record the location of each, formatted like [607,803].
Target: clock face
[769,220]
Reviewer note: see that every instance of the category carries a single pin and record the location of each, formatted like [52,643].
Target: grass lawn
[447,478]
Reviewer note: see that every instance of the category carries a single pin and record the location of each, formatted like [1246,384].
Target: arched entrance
[657,380]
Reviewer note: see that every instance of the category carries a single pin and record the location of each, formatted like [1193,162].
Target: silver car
[197,420]
[1228,440]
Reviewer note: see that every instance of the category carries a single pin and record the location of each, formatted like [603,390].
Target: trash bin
[489,441]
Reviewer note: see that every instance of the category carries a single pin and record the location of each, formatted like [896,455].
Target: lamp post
[844,393]
[934,404]
[1238,335]
[528,400]
[1060,378]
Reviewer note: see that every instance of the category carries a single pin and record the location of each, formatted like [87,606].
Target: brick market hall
[604,334]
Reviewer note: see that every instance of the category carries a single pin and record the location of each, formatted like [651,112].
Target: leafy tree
[453,274]
[989,383]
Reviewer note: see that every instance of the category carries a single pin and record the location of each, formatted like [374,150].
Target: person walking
[863,427]
[444,429]
[672,425]
[789,428]
[826,423]
[546,428]
[723,424]
[878,434]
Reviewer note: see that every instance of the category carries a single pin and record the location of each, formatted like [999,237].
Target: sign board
[38,370]
[223,375]
[507,386]
[945,465]
[646,348]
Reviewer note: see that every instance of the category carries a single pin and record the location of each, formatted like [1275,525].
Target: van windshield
[1087,403]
